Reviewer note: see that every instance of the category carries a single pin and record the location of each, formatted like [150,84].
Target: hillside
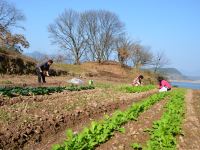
[171,73]
[13,62]
[108,70]
[16,63]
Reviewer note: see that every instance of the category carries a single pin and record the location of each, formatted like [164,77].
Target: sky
[172,26]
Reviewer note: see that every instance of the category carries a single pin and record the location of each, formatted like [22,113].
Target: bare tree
[123,46]
[100,29]
[67,32]
[159,61]
[60,58]
[9,16]
[140,55]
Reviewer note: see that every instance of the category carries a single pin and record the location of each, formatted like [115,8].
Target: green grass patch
[104,85]
[69,68]
[4,116]
[134,89]
[6,82]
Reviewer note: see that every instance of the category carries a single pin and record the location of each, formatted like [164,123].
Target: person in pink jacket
[163,85]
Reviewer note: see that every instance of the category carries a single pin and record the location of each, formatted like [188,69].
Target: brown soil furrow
[38,132]
[134,130]
[190,140]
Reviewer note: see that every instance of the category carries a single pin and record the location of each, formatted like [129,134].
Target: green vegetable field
[93,117]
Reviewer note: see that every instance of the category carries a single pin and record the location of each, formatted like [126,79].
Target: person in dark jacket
[43,70]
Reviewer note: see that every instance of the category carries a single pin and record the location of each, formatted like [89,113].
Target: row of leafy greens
[101,131]
[27,91]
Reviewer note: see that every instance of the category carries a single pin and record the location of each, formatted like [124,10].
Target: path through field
[191,126]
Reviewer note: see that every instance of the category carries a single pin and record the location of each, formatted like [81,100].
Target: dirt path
[135,130]
[191,126]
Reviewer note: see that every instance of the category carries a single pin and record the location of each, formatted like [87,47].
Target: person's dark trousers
[40,75]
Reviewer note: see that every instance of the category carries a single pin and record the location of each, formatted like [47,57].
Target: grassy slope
[107,70]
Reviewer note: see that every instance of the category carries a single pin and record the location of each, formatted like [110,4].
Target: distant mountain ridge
[35,55]
[193,77]
[171,73]
[42,57]
[175,74]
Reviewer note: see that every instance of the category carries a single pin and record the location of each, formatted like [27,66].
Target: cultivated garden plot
[16,91]
[162,135]
[87,83]
[31,119]
[107,117]
[101,131]
[164,131]
[134,130]
[7,93]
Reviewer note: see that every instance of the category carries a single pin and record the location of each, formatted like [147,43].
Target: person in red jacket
[163,85]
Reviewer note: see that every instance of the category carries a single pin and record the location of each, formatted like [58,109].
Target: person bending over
[163,85]
[138,80]
[43,70]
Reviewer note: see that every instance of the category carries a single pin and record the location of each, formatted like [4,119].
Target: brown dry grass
[86,71]
[110,69]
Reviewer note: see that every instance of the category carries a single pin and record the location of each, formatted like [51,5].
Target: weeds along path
[134,130]
[46,121]
[190,140]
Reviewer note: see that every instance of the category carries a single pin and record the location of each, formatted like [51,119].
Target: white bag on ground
[163,89]
[75,81]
